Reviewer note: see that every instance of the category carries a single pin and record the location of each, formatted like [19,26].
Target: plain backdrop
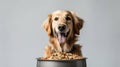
[22,39]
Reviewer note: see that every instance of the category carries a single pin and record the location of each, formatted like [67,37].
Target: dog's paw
[67,48]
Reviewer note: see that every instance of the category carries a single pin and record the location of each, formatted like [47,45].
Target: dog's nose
[62,27]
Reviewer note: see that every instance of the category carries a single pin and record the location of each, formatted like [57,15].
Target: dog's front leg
[48,51]
[77,50]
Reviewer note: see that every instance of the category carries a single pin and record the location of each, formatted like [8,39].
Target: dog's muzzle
[62,34]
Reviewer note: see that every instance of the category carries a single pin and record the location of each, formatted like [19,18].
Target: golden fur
[73,24]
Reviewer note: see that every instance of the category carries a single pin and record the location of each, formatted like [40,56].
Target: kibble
[62,56]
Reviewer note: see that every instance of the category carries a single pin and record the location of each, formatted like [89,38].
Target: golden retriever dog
[63,28]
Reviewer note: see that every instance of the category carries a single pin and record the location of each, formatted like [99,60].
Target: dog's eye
[56,18]
[68,18]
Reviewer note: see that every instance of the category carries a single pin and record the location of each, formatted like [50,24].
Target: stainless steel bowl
[61,63]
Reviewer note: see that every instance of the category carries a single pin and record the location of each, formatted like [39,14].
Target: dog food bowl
[62,63]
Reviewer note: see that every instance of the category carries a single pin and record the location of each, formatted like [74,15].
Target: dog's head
[62,24]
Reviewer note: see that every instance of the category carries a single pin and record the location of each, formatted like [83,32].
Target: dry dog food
[63,56]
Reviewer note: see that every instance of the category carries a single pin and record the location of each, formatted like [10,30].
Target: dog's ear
[77,23]
[47,25]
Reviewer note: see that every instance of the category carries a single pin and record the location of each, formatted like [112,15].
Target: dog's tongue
[61,38]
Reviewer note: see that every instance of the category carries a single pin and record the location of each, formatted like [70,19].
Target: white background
[22,39]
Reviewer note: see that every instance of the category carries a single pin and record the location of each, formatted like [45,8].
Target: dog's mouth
[61,36]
